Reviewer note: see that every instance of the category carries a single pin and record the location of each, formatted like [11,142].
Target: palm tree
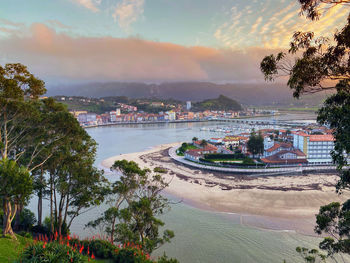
[203,143]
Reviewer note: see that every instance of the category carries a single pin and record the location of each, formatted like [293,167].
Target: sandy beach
[284,197]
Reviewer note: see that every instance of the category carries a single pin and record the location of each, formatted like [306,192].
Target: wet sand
[290,200]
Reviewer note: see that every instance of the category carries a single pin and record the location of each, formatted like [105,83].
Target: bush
[248,161]
[165,259]
[51,252]
[100,248]
[160,170]
[131,254]
[47,224]
[26,219]
[41,230]
[26,234]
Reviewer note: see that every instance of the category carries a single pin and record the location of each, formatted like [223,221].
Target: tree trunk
[16,226]
[8,218]
[40,207]
[112,232]
[51,205]
[40,198]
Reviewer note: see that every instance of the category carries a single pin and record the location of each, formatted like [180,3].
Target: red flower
[92,256]
[44,245]
[68,237]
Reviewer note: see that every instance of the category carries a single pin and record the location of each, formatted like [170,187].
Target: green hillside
[220,103]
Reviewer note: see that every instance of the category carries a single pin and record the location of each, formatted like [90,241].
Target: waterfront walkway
[295,169]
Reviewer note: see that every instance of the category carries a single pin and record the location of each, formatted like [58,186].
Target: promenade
[294,169]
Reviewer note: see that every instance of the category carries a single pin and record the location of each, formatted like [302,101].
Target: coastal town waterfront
[207,218]
[202,213]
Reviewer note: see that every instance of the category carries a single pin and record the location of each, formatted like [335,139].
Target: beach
[293,199]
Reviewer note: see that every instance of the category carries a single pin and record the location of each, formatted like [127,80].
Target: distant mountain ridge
[248,94]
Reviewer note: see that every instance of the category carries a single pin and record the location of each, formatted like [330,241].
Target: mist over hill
[248,94]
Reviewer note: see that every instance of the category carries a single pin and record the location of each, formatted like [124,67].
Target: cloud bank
[60,56]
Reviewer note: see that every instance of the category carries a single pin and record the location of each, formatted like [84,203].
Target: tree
[23,132]
[15,187]
[255,144]
[334,219]
[135,202]
[194,139]
[311,255]
[203,143]
[74,183]
[323,64]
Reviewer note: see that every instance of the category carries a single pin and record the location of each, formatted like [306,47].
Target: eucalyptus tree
[40,135]
[21,134]
[135,203]
[74,184]
[314,64]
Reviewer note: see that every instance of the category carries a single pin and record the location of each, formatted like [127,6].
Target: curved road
[181,159]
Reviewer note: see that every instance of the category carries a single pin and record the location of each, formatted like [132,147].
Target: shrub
[26,219]
[100,248]
[247,160]
[131,254]
[51,252]
[47,224]
[26,234]
[165,259]
[160,170]
[40,230]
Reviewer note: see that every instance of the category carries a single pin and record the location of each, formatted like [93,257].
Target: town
[153,111]
[309,145]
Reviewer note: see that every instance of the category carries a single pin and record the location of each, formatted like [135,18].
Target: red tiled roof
[283,161]
[321,138]
[195,152]
[275,159]
[279,145]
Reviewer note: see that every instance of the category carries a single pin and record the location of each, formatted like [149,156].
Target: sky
[152,40]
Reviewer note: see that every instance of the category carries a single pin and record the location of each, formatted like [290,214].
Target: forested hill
[220,103]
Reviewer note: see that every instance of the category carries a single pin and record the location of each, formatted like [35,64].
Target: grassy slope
[9,249]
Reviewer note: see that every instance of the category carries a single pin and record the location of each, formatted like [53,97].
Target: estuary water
[200,236]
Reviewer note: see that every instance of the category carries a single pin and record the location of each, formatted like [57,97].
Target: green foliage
[26,219]
[320,62]
[248,161]
[160,170]
[185,146]
[255,144]
[15,188]
[51,252]
[203,143]
[222,103]
[311,255]
[102,249]
[131,254]
[47,225]
[334,113]
[10,248]
[135,202]
[334,219]
[165,259]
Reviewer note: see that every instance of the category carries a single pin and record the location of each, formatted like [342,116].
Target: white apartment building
[317,148]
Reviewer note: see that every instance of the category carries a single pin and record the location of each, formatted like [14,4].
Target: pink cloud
[51,54]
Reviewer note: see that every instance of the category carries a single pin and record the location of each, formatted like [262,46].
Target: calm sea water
[201,236]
